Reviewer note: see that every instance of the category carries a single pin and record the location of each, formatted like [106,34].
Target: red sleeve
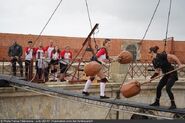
[35,51]
[71,54]
[26,50]
[46,48]
[62,53]
[100,52]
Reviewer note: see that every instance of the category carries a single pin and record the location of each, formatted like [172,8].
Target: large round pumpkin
[92,68]
[125,57]
[130,89]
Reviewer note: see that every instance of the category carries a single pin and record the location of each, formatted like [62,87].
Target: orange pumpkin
[125,57]
[92,68]
[130,89]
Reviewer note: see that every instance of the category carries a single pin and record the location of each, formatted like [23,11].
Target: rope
[47,22]
[150,21]
[90,22]
[45,27]
[139,48]
[167,25]
[124,79]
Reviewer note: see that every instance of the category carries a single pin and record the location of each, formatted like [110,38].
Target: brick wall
[177,48]
[76,43]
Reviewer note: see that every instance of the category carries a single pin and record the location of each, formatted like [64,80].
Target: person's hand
[106,61]
[16,57]
[150,81]
[11,57]
[115,59]
[154,75]
[181,66]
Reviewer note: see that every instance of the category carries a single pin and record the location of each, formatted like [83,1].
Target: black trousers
[40,72]
[19,61]
[28,69]
[27,66]
[169,81]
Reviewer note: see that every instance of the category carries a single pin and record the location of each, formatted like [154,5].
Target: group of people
[161,62]
[51,56]
[46,60]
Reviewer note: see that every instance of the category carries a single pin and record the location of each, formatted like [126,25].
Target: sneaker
[155,104]
[172,107]
[104,97]
[85,93]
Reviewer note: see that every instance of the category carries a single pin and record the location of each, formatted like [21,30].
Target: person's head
[30,43]
[154,49]
[14,42]
[106,43]
[40,45]
[67,48]
[51,43]
[56,48]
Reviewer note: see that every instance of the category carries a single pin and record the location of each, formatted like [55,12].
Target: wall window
[133,49]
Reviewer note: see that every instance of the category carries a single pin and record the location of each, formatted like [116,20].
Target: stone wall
[19,104]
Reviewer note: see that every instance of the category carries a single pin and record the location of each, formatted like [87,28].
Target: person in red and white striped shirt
[66,56]
[101,57]
[55,56]
[40,56]
[48,51]
[29,53]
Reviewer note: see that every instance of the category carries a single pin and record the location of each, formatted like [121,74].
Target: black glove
[154,75]
[94,58]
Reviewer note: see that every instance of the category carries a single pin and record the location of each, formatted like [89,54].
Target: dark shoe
[21,74]
[155,104]
[46,79]
[172,107]
[85,93]
[62,80]
[104,97]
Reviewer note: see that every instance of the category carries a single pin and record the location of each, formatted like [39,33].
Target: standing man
[40,56]
[15,53]
[55,56]
[48,51]
[29,52]
[161,63]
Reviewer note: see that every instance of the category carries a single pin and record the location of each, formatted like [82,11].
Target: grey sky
[116,18]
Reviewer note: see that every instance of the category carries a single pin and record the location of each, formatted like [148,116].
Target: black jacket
[15,50]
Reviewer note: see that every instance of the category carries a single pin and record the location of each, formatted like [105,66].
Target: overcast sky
[117,18]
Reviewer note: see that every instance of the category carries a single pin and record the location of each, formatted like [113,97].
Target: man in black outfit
[15,53]
[161,62]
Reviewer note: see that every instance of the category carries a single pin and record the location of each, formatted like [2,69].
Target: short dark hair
[105,41]
[30,41]
[154,49]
